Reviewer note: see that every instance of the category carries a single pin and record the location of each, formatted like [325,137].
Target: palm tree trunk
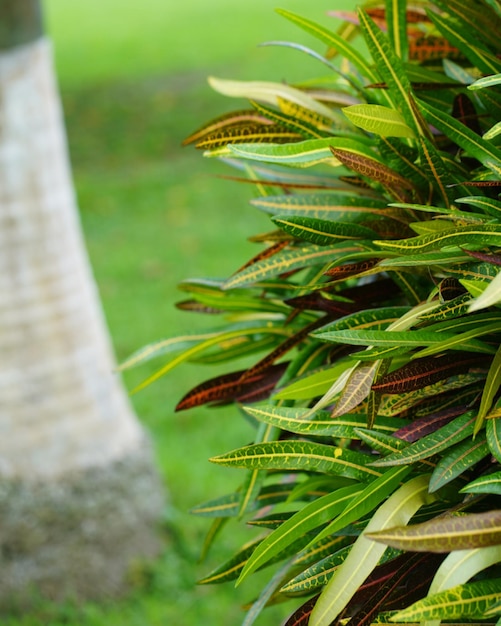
[79,495]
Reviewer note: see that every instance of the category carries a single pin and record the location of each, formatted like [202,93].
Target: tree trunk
[79,495]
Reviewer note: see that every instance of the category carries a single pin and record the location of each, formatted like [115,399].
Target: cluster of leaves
[374,314]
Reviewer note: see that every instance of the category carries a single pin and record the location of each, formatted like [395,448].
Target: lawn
[132,79]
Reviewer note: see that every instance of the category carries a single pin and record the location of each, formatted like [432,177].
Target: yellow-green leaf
[378,119]
[365,554]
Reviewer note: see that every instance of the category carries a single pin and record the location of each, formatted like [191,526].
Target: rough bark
[79,495]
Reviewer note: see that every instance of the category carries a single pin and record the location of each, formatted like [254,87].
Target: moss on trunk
[77,537]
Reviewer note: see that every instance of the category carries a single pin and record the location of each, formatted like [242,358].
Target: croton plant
[371,321]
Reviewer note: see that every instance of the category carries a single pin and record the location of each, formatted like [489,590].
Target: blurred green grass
[132,79]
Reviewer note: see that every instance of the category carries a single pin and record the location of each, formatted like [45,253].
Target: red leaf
[266,254]
[464,111]
[229,387]
[430,48]
[426,371]
[450,288]
[316,302]
[284,347]
[235,118]
[348,270]
[428,424]
[301,616]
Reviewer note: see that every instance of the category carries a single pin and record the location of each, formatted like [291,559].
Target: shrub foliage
[371,319]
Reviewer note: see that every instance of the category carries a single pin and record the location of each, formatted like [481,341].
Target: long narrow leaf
[474,145]
[286,261]
[458,460]
[464,602]
[454,432]
[489,297]
[269,92]
[391,69]
[396,19]
[311,516]
[367,500]
[332,40]
[298,455]
[445,533]
[295,420]
[378,119]
[460,566]
[482,234]
[365,554]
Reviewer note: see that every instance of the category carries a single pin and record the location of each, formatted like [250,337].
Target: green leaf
[492,384]
[375,318]
[311,516]
[299,154]
[431,226]
[381,442]
[475,287]
[478,20]
[494,131]
[449,310]
[480,234]
[315,384]
[426,259]
[287,260]
[391,69]
[367,500]
[437,168]
[231,569]
[493,432]
[387,338]
[379,120]
[474,145]
[356,389]
[396,19]
[228,506]
[318,574]
[461,565]
[464,602]
[486,81]
[264,133]
[326,547]
[464,340]
[489,205]
[450,434]
[323,205]
[461,458]
[334,41]
[194,345]
[460,35]
[445,533]
[266,595]
[269,92]
[490,483]
[300,455]
[321,232]
[365,554]
[305,123]
[296,420]
[489,297]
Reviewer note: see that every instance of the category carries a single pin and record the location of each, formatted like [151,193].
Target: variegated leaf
[462,603]
[445,533]
[364,555]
